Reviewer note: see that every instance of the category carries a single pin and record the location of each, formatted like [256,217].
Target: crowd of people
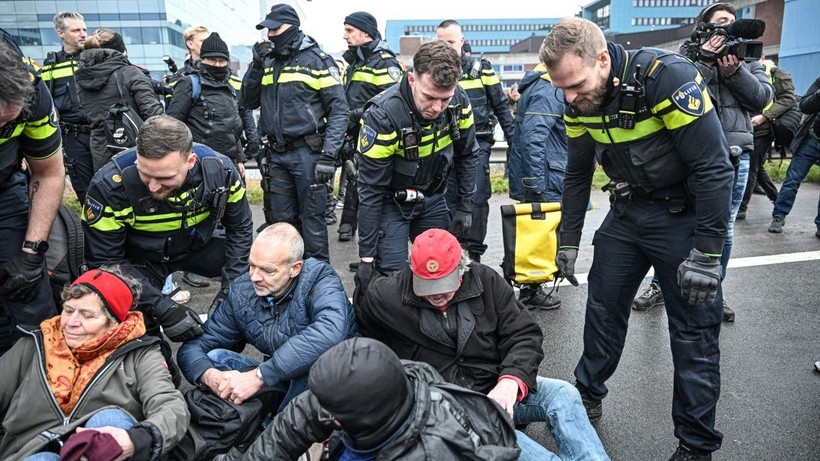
[433,356]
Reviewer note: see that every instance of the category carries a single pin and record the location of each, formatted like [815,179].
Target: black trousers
[757,172]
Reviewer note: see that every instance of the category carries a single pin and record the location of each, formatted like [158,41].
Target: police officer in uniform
[304,114]
[154,210]
[28,126]
[373,67]
[648,116]
[58,73]
[412,135]
[489,104]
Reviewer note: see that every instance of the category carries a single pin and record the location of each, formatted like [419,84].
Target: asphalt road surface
[770,394]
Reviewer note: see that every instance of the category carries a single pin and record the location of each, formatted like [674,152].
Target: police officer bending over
[412,135]
[649,116]
[154,210]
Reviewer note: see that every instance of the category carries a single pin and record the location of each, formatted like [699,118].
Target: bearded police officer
[649,116]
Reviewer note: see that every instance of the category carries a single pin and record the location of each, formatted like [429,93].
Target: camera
[740,40]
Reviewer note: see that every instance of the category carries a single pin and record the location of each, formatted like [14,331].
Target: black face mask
[218,73]
[283,40]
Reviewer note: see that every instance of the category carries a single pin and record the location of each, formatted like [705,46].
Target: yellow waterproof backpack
[530,235]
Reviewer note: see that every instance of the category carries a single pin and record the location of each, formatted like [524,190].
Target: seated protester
[91,367]
[291,309]
[206,102]
[369,405]
[462,318]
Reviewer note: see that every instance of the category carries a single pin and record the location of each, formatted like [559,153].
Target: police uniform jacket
[484,333]
[538,157]
[747,91]
[300,93]
[248,122]
[385,168]
[58,73]
[486,96]
[98,90]
[676,139]
[213,117]
[34,133]
[122,223]
[373,68]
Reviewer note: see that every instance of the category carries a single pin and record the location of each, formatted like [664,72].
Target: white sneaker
[181,296]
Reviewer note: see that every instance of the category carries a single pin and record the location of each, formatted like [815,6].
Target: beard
[589,104]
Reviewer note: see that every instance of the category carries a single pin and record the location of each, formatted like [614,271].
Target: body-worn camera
[740,40]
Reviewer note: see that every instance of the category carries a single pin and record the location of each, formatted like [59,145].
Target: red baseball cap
[434,260]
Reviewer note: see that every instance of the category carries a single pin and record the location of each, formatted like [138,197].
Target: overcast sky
[322,19]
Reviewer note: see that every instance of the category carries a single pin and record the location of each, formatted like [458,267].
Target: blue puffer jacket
[538,156]
[314,316]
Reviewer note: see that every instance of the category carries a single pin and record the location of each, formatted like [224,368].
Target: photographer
[737,89]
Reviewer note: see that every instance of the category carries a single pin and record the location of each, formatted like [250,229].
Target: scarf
[68,372]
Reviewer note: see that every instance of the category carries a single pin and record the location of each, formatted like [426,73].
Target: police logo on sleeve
[689,99]
[92,210]
[334,72]
[394,73]
[367,137]
[53,118]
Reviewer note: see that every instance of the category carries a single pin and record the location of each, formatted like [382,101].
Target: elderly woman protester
[91,367]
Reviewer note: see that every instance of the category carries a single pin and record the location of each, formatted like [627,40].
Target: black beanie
[365,22]
[362,383]
[214,47]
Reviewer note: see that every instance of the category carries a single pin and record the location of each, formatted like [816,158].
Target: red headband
[115,294]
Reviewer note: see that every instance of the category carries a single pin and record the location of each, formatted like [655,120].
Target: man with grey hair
[291,309]
[462,318]
[639,112]
[58,73]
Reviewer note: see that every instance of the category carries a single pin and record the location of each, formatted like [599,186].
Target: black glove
[220,296]
[565,260]
[325,168]
[21,276]
[699,277]
[460,225]
[363,275]
[181,324]
[261,50]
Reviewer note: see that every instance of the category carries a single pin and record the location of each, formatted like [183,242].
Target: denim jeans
[806,155]
[558,404]
[110,417]
[738,189]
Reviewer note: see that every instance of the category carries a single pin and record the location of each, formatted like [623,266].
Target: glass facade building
[629,16]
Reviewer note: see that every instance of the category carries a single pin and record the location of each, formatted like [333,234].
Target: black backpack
[65,258]
[785,126]
[122,124]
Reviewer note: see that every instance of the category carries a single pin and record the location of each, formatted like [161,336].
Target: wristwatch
[259,374]
[40,246]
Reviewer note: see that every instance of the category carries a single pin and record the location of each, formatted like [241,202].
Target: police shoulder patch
[367,137]
[689,99]
[53,118]
[394,73]
[334,72]
[92,211]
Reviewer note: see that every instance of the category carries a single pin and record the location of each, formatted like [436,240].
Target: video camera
[740,40]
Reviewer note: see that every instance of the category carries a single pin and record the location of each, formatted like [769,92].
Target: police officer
[649,116]
[304,114]
[28,125]
[489,104]
[154,210]
[412,135]
[58,73]
[372,68]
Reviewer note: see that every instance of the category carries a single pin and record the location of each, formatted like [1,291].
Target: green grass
[498,183]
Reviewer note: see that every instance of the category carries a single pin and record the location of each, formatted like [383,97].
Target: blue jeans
[806,155]
[738,189]
[110,417]
[558,404]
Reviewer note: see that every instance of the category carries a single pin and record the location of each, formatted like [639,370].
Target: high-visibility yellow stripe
[17,130]
[377,77]
[53,72]
[150,224]
[489,78]
[41,128]
[315,79]
[471,84]
[237,191]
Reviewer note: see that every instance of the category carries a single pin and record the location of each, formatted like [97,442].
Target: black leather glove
[261,50]
[180,324]
[363,275]
[565,260]
[220,296]
[699,277]
[21,276]
[325,168]
[460,225]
